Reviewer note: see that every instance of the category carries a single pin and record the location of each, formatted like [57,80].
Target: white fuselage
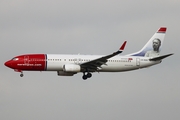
[118,63]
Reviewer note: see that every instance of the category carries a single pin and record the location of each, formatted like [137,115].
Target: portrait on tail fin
[153,47]
[156,43]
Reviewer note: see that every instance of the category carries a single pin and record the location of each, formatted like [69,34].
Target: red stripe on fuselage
[30,62]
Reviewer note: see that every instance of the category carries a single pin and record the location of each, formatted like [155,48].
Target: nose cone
[8,64]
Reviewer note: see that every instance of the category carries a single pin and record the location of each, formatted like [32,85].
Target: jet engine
[71,68]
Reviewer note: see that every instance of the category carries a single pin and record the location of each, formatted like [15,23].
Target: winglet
[123,46]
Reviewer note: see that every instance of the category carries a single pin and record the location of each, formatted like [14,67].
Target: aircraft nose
[8,64]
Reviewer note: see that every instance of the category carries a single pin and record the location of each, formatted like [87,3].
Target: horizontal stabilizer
[160,57]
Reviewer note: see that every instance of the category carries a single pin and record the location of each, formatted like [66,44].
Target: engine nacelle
[71,68]
[62,73]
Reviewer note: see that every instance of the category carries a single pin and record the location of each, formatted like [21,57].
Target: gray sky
[88,27]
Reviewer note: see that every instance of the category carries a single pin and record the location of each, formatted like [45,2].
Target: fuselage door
[26,59]
[137,61]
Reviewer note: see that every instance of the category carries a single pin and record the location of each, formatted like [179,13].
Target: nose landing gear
[21,75]
[18,70]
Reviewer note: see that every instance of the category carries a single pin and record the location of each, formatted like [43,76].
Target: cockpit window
[15,59]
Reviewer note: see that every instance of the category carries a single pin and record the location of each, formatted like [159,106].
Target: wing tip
[123,45]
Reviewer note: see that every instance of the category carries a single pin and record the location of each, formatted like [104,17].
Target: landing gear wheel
[21,75]
[84,77]
[89,75]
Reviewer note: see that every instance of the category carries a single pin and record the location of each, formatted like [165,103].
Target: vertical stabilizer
[153,46]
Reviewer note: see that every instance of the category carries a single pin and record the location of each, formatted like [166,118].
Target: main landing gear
[85,76]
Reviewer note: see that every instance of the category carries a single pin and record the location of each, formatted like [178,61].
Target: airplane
[68,65]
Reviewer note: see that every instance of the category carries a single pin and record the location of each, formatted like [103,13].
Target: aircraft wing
[95,65]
